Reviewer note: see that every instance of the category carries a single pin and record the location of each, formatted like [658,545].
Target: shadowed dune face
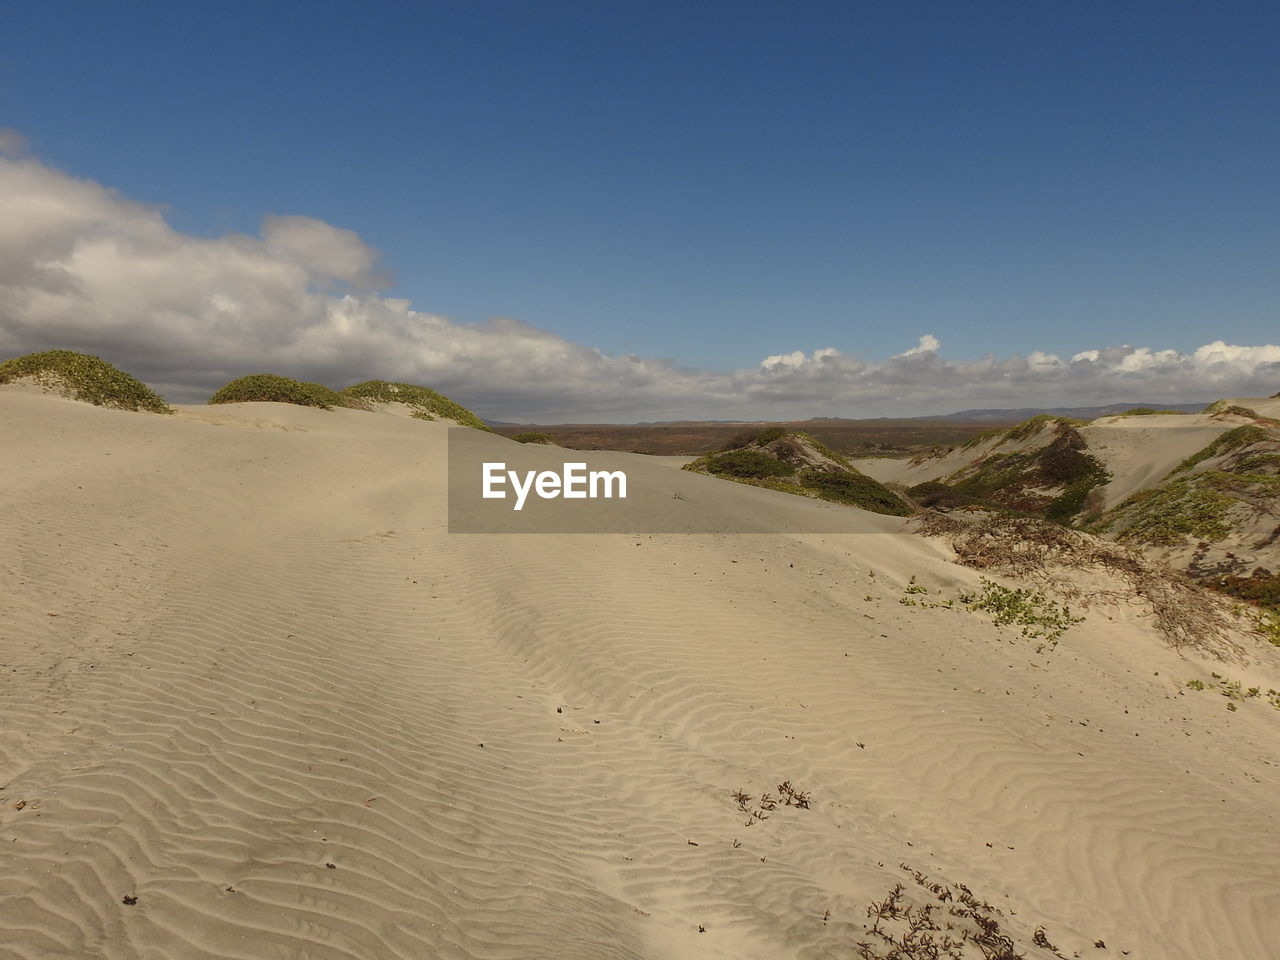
[256,689]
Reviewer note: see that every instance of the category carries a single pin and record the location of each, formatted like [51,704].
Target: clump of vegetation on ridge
[84,377]
[424,401]
[797,463]
[270,388]
[531,437]
[1149,412]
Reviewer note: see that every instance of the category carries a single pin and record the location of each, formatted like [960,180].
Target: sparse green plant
[1036,615]
[1235,691]
[532,437]
[84,377]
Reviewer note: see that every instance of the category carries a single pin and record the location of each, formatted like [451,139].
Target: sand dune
[251,681]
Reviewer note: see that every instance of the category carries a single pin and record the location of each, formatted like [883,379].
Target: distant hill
[1076,413]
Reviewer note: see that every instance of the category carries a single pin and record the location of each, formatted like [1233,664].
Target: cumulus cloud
[85,268]
[928,344]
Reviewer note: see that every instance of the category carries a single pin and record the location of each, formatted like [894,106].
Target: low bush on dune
[84,377]
[269,388]
[937,495]
[747,463]
[534,438]
[855,489]
[1261,588]
[427,404]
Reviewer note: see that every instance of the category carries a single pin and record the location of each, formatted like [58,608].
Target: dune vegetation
[797,463]
[533,437]
[1052,481]
[427,404]
[85,377]
[270,388]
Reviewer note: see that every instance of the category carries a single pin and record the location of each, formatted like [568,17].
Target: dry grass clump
[951,923]
[1187,615]
[83,376]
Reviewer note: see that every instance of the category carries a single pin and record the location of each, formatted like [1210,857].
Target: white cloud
[85,268]
[928,344]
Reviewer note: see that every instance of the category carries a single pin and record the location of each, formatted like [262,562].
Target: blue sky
[712,184]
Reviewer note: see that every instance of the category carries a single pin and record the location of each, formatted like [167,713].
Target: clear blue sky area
[711,182]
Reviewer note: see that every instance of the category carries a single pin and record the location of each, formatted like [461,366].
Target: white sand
[238,646]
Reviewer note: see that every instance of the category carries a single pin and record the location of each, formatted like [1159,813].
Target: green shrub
[534,438]
[747,463]
[267,387]
[86,378]
[422,399]
[935,494]
[855,489]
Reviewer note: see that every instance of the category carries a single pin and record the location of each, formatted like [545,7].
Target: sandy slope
[238,646]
